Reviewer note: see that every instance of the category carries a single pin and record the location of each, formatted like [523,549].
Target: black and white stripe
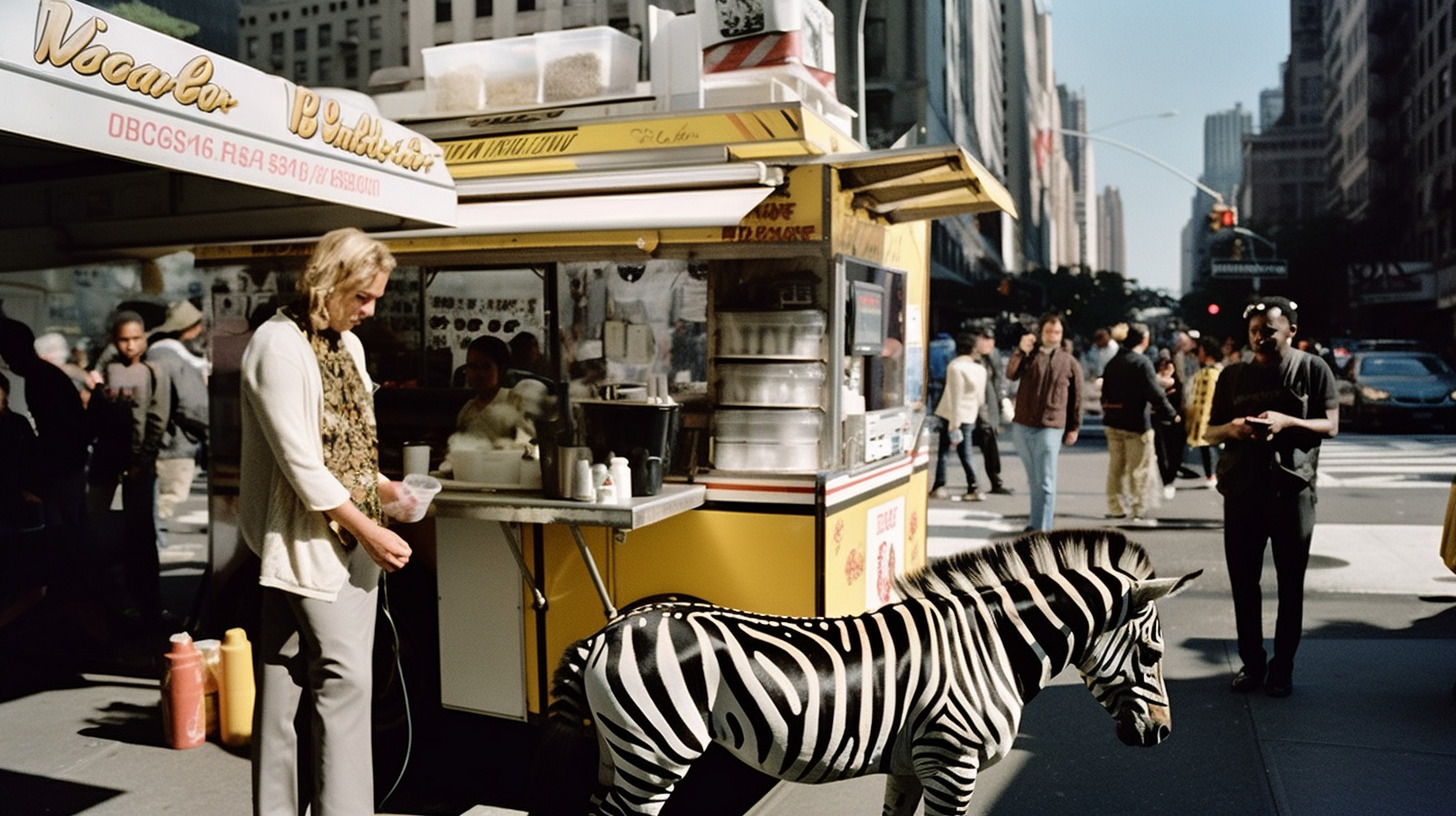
[928,690]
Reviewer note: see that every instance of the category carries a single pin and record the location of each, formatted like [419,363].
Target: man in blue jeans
[1048,411]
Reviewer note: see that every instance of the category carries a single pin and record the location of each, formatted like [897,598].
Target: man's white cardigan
[285,486]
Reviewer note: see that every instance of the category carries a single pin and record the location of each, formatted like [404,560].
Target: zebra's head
[1124,669]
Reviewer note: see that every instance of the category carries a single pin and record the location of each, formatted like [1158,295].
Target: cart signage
[884,551]
[73,75]
[791,214]
[754,134]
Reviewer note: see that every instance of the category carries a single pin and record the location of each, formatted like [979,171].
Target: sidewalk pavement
[1371,727]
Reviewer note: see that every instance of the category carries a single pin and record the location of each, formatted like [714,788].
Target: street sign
[1250,269]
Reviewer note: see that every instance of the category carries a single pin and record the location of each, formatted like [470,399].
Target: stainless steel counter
[510,509]
[533,508]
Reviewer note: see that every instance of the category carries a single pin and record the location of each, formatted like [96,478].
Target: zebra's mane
[1036,553]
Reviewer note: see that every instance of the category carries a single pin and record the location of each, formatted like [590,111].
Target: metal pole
[1167,114]
[859,65]
[1217,196]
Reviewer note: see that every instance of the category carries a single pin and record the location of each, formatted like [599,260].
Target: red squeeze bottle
[184,719]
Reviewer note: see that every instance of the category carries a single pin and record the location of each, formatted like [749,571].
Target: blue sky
[1129,58]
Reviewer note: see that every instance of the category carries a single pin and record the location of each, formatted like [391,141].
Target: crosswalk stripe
[1387,462]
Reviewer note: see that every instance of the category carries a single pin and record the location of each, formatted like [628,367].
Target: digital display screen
[867,319]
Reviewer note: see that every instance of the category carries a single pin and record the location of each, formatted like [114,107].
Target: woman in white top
[960,404]
[310,502]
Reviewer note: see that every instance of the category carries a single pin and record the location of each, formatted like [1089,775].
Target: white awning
[110,129]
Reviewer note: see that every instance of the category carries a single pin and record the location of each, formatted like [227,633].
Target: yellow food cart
[762,270]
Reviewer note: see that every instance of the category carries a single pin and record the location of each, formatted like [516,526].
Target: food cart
[755,261]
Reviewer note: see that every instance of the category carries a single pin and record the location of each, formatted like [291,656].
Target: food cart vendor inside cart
[495,416]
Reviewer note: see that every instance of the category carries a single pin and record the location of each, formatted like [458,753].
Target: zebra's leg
[902,795]
[638,791]
[643,773]
[948,788]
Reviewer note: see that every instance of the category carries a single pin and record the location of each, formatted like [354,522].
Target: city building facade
[1111,230]
[1223,162]
[323,43]
[1082,240]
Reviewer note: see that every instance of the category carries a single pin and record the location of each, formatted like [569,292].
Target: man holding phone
[1270,413]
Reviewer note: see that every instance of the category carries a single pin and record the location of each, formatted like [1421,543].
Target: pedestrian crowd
[1255,410]
[95,468]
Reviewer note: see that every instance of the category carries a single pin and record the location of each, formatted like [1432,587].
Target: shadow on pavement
[27,793]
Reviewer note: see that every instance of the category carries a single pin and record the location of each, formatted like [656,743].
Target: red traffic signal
[1222,216]
[1213,308]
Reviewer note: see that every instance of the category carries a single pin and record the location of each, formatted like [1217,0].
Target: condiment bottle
[235,700]
[621,474]
[582,488]
[211,651]
[605,493]
[184,718]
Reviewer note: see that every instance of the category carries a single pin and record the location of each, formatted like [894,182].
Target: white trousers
[312,728]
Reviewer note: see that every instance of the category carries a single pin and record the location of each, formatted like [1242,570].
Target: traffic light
[1222,216]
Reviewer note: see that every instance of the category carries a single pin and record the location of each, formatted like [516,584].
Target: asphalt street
[1371,727]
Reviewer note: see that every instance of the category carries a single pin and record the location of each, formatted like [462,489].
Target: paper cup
[416,459]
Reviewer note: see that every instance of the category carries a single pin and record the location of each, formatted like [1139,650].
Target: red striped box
[776,48]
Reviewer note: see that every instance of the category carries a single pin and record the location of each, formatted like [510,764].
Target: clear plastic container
[473,76]
[797,333]
[781,385]
[798,457]
[581,63]
[771,426]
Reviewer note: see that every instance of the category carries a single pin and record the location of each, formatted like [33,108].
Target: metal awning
[118,141]
[920,183]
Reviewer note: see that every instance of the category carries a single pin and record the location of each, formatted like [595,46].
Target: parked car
[1409,390]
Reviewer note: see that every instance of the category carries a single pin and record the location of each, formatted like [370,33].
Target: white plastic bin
[796,385]
[471,77]
[799,457]
[772,426]
[798,333]
[582,63]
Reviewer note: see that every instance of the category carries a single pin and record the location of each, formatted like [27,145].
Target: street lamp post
[1083,134]
[1164,115]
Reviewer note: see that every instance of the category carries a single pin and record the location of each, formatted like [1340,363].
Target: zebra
[928,689]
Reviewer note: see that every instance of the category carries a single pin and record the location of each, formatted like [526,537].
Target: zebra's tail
[564,765]
[568,687]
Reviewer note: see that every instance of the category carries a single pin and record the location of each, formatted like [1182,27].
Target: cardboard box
[811,22]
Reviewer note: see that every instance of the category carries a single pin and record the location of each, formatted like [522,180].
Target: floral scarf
[350,439]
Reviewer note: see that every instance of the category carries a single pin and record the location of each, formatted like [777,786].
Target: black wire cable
[403,689]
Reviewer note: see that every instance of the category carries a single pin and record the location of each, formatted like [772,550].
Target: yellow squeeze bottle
[235,701]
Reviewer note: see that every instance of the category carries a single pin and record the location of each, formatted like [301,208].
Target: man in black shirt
[1270,414]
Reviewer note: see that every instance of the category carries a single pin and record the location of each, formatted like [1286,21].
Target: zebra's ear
[1146,591]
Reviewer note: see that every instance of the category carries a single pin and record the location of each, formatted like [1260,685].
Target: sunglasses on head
[1272,310]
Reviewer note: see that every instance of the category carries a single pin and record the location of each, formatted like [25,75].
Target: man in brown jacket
[1048,411]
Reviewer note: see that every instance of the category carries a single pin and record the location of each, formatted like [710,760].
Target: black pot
[641,432]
